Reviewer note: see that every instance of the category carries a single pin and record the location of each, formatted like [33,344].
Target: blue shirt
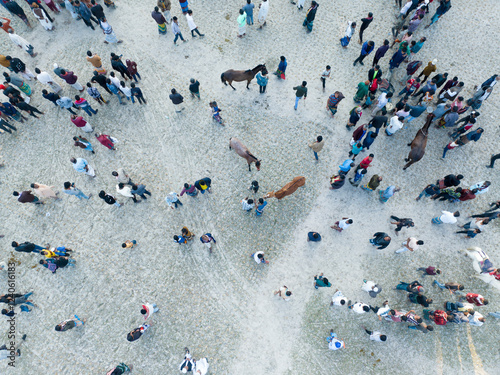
[346,165]
[417,47]
[311,238]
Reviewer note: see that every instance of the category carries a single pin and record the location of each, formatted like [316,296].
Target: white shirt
[394,125]
[115,81]
[413,244]
[126,191]
[478,186]
[256,256]
[383,311]
[326,74]
[448,218]
[382,100]
[375,336]
[44,78]
[337,299]
[19,41]
[126,91]
[349,31]
[190,22]
[367,287]
[201,367]
[343,224]
[358,307]
[332,345]
[474,319]
[149,308]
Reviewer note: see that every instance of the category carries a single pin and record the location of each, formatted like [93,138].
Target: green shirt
[301,91]
[362,91]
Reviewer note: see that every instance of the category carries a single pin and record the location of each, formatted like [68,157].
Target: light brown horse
[288,189]
[242,150]
[419,143]
[240,75]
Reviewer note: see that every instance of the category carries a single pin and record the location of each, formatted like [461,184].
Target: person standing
[65,102]
[126,191]
[42,16]
[114,90]
[263,10]
[248,8]
[101,80]
[184,6]
[241,20]
[26,197]
[96,10]
[137,92]
[147,309]
[351,27]
[82,165]
[95,94]
[165,6]
[96,62]
[19,67]
[300,92]
[81,103]
[84,12]
[177,100]
[395,124]
[22,43]
[365,51]
[365,22]
[333,102]
[71,79]
[317,146]
[46,79]
[44,191]
[362,91]
[325,75]
[446,218]
[207,240]
[492,160]
[160,20]
[380,52]
[140,190]
[280,72]
[262,80]
[5,25]
[83,143]
[380,239]
[310,16]
[176,30]
[15,9]
[129,244]
[18,82]
[138,332]
[71,189]
[192,25]
[428,70]
[106,140]
[109,34]
[109,199]
[172,200]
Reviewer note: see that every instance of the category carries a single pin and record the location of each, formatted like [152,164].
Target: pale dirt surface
[221,306]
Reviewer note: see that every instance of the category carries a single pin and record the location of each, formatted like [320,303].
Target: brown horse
[419,143]
[242,150]
[240,75]
[288,189]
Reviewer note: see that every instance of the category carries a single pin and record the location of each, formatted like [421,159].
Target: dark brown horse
[240,75]
[419,143]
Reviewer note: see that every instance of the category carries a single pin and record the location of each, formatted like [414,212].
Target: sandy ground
[221,306]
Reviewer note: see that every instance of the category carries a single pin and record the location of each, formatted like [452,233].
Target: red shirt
[466,195]
[475,298]
[105,141]
[79,121]
[440,318]
[365,163]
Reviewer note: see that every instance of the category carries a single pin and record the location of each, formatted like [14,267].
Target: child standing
[325,75]
[280,72]
[260,208]
[216,112]
[254,186]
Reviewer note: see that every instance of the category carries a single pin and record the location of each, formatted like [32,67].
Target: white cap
[56,66]
[434,62]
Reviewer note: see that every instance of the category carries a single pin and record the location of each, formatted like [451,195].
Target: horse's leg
[408,164]
[248,82]
[249,167]
[231,84]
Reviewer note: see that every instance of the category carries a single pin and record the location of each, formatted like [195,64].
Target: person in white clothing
[284,293]
[148,309]
[201,366]
[360,307]
[476,319]
[375,335]
[191,24]
[410,244]
[115,81]
[187,364]
[22,43]
[259,257]
[339,299]
[46,79]
[371,288]
[126,91]
[334,343]
[263,10]
[481,187]
[382,100]
[126,191]
[340,225]
[395,124]
[383,311]
[446,218]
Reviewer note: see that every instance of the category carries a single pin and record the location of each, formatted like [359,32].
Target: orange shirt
[6,25]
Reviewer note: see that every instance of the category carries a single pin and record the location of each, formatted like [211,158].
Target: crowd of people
[388,108]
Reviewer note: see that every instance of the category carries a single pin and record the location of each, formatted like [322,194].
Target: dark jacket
[206,180]
[311,14]
[17,65]
[69,77]
[372,75]
[380,241]
[176,98]
[25,247]
[97,11]
[451,180]
[381,52]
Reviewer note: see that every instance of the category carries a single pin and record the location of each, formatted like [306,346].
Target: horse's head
[259,68]
[257,165]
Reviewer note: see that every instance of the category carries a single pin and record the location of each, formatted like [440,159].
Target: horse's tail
[223,80]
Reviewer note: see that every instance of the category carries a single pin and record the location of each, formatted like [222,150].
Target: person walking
[140,190]
[207,240]
[138,332]
[160,20]
[126,191]
[340,225]
[333,102]
[463,140]
[365,51]
[82,165]
[44,191]
[401,223]
[26,197]
[493,158]
[365,22]
[373,184]
[106,140]
[5,24]
[70,324]
[109,34]
[27,247]
[310,16]
[380,52]
[321,281]
[176,30]
[444,6]
[380,239]
[351,27]
[446,218]
[259,257]
[172,200]
[71,189]
[411,244]
[128,244]
[300,92]
[192,25]
[325,75]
